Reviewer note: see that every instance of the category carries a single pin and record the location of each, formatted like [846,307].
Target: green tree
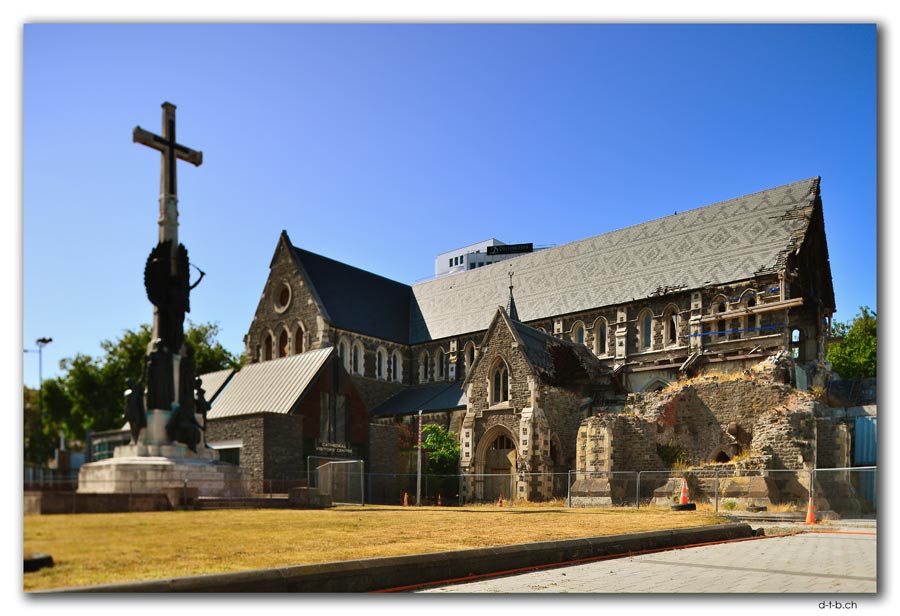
[37,448]
[857,354]
[89,394]
[442,447]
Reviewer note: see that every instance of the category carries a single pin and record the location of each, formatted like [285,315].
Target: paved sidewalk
[812,562]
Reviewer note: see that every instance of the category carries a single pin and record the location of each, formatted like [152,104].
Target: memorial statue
[169,367]
[159,377]
[201,405]
[186,376]
[183,427]
[134,410]
[167,281]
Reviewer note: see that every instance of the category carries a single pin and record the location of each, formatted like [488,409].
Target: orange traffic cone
[811,512]
[439,500]
[684,494]
[406,499]
[500,500]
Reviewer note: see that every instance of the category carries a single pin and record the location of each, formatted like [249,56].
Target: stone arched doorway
[495,464]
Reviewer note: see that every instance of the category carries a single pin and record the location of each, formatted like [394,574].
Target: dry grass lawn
[90,549]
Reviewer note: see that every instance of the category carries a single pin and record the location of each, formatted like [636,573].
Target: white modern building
[477,255]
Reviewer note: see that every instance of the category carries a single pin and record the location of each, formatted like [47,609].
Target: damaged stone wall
[707,420]
[614,443]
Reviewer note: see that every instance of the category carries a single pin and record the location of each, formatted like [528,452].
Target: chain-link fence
[342,482]
[848,492]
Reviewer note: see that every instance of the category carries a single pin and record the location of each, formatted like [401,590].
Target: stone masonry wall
[789,435]
[284,455]
[710,415]
[832,443]
[273,318]
[383,464]
[248,429]
[616,443]
[500,345]
[561,408]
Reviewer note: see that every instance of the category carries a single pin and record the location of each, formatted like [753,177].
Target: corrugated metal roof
[269,386]
[214,381]
[723,242]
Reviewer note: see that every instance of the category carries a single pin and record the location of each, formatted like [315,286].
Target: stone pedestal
[155,465]
[155,432]
[148,474]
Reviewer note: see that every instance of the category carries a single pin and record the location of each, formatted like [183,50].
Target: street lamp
[41,343]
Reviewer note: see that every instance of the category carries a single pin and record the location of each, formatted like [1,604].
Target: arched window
[670,325]
[269,345]
[283,344]
[578,332]
[468,358]
[796,342]
[502,442]
[396,367]
[499,383]
[440,370]
[380,363]
[750,323]
[299,335]
[357,359]
[719,305]
[600,337]
[645,330]
[656,384]
[344,354]
[424,358]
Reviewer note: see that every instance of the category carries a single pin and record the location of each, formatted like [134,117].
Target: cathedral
[514,356]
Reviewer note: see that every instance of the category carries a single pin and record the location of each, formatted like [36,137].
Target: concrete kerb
[397,572]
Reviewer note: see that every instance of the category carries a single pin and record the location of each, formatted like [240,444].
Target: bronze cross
[170,150]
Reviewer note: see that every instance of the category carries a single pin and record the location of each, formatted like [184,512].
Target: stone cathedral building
[513,357]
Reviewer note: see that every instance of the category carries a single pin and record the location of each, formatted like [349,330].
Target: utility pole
[419,471]
[41,343]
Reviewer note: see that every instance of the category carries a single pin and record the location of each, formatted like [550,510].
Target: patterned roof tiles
[727,241]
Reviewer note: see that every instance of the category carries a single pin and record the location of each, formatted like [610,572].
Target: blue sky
[384,145]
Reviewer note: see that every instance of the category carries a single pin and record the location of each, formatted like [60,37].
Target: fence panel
[848,492]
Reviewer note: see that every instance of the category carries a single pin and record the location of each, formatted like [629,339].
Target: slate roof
[554,359]
[358,300]
[719,243]
[270,386]
[724,242]
[440,396]
[213,382]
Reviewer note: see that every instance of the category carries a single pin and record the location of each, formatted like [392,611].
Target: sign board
[510,249]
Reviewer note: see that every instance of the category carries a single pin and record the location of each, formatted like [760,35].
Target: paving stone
[810,562]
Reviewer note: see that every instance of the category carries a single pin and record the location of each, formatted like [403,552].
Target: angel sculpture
[134,409]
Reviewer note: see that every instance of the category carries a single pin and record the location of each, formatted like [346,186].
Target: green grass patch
[90,549]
